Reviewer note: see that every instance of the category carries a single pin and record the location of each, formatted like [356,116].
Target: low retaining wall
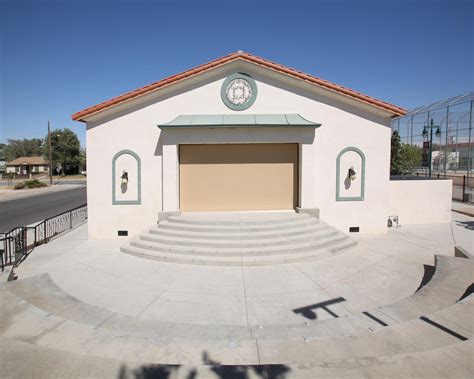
[421,201]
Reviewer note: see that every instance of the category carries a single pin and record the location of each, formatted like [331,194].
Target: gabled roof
[240,55]
[27,160]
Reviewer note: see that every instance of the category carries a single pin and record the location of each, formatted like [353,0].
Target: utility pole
[50,157]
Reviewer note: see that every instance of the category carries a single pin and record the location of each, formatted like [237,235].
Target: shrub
[35,184]
[30,184]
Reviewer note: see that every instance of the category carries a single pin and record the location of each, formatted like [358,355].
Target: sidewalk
[463,208]
[11,194]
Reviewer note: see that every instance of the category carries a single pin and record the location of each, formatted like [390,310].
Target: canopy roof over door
[238,121]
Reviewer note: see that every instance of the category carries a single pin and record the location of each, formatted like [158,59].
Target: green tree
[411,158]
[395,157]
[16,148]
[66,148]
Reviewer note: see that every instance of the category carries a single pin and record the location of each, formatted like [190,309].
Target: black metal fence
[16,244]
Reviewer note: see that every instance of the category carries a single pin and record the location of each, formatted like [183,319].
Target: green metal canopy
[238,121]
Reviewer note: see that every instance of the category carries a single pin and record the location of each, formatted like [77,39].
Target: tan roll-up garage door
[230,177]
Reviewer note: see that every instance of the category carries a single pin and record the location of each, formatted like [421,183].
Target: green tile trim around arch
[139,179]
[362,175]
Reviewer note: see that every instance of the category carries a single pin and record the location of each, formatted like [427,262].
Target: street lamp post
[425,134]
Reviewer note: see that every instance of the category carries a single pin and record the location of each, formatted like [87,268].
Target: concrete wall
[135,129]
[421,201]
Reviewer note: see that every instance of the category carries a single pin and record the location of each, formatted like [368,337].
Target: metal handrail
[14,246]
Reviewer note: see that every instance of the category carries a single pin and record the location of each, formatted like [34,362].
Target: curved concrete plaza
[386,306]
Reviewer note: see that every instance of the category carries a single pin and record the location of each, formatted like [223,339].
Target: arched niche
[131,192]
[347,189]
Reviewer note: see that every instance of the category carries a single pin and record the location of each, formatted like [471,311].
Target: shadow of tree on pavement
[164,371]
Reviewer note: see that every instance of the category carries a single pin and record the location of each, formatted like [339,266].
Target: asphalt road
[28,210]
[55,182]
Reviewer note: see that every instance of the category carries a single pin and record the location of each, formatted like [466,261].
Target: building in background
[3,163]
[27,166]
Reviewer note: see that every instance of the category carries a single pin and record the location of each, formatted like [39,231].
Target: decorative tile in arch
[362,175]
[138,199]
[239,91]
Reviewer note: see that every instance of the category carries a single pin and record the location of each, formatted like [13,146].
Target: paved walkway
[83,309]
[463,208]
[380,270]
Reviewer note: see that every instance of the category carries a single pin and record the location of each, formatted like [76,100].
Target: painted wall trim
[139,179]
[362,175]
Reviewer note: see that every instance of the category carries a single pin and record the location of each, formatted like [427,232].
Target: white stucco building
[238,133]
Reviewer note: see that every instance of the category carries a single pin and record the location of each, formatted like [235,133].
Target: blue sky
[58,57]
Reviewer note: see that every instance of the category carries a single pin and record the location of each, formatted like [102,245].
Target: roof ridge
[398,111]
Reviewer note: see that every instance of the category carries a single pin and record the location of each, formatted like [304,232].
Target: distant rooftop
[27,160]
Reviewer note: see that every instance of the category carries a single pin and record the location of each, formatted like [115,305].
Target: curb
[59,189]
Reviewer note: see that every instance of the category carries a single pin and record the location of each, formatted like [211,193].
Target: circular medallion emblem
[238,91]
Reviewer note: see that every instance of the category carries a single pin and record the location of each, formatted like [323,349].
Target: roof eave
[86,113]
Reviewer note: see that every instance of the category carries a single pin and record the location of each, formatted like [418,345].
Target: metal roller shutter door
[235,177]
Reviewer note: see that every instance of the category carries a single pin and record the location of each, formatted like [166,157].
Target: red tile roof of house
[397,111]
[27,160]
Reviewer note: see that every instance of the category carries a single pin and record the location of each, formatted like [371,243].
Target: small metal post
[464,197]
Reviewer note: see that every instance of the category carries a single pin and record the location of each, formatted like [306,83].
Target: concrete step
[47,330]
[229,259]
[249,228]
[240,234]
[42,293]
[451,279]
[238,219]
[25,360]
[407,337]
[236,239]
[242,243]
[327,240]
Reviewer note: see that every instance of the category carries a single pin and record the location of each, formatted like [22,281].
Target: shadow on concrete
[158,371]
[242,372]
[376,319]
[469,225]
[443,328]
[427,275]
[148,371]
[469,291]
[309,310]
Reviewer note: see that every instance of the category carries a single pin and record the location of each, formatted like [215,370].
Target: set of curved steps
[254,240]
[448,284]
[36,312]
[36,326]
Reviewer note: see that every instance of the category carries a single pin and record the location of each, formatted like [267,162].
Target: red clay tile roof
[397,111]
[27,160]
